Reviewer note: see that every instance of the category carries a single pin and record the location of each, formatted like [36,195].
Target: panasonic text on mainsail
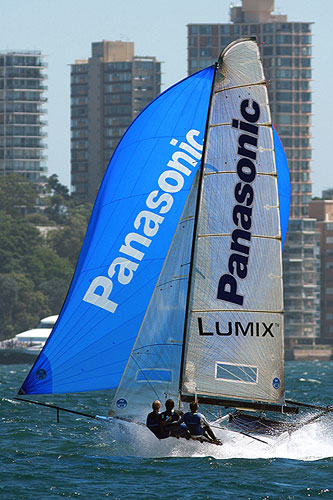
[244,196]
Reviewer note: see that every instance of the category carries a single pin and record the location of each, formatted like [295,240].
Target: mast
[195,229]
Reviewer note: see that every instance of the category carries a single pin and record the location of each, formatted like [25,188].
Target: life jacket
[169,418]
[192,420]
[153,424]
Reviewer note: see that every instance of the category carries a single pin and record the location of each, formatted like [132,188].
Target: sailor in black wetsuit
[154,421]
[197,425]
[169,420]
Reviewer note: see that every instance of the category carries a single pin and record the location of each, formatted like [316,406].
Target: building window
[306,63]
[283,39]
[283,27]
[268,51]
[206,52]
[268,39]
[205,30]
[284,119]
[284,96]
[268,28]
[225,29]
[306,39]
[284,85]
[283,51]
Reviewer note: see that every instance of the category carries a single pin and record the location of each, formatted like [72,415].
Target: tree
[59,202]
[21,307]
[17,195]
[19,239]
[35,272]
[67,241]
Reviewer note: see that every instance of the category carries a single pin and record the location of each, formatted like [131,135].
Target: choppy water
[41,459]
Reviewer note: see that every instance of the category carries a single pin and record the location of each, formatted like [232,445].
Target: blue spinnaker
[130,231]
[283,179]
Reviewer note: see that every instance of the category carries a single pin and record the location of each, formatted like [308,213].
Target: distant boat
[26,346]
[178,289]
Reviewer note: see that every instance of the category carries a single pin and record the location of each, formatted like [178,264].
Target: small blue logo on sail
[41,374]
[121,403]
[276,383]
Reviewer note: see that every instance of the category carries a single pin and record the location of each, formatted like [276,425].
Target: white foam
[311,442]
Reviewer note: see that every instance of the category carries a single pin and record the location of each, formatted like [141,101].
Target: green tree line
[36,266]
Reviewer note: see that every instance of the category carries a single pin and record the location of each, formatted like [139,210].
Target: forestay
[130,231]
[234,333]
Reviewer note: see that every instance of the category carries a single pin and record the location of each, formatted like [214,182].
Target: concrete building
[322,211]
[286,53]
[108,91]
[22,89]
[301,272]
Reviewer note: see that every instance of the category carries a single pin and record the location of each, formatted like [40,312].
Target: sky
[64,30]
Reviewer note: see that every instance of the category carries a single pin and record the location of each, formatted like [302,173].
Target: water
[81,458]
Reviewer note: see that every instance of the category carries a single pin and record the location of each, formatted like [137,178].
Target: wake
[311,442]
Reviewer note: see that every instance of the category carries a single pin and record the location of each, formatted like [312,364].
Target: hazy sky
[64,29]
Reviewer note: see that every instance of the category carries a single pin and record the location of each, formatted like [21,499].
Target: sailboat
[178,289]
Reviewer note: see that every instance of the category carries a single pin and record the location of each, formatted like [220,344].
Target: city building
[322,211]
[108,91]
[22,111]
[286,54]
[301,272]
[285,48]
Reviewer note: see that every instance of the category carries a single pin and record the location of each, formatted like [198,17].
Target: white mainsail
[234,334]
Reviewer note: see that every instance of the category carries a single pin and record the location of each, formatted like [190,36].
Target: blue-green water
[81,458]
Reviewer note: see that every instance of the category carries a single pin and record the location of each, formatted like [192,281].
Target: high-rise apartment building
[22,88]
[322,211]
[107,92]
[301,273]
[286,54]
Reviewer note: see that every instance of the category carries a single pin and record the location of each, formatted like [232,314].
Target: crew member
[170,418]
[154,421]
[197,424]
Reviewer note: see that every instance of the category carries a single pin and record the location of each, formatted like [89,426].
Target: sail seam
[262,82]
[264,124]
[278,238]
[178,278]
[273,174]
[278,311]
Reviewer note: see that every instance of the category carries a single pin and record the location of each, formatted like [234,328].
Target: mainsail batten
[234,339]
